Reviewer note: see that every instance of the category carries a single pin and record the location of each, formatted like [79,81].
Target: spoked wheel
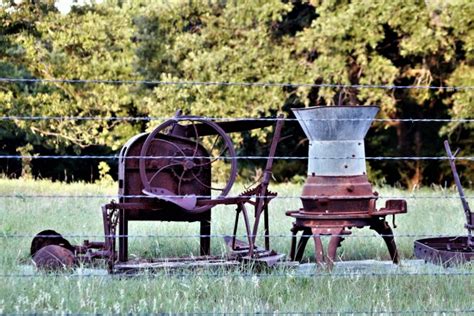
[176,160]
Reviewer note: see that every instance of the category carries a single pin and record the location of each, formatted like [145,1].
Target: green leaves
[90,44]
[398,42]
[217,43]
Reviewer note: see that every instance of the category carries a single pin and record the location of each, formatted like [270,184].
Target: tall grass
[282,290]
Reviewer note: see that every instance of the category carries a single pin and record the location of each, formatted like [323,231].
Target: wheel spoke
[214,143]
[196,140]
[160,170]
[205,185]
[172,144]
[213,160]
[180,181]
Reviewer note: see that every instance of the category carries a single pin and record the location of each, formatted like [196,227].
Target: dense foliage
[397,42]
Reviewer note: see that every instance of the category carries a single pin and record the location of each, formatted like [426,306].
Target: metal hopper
[336,138]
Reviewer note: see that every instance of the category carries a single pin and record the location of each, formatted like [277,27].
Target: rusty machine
[166,175]
[453,249]
[337,195]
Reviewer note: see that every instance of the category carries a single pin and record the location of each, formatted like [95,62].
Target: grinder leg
[334,243]
[205,233]
[123,238]
[266,227]
[236,225]
[318,250]
[318,245]
[302,244]
[109,232]
[384,230]
[294,231]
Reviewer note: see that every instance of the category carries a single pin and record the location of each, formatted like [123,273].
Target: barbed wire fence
[437,197]
[232,83]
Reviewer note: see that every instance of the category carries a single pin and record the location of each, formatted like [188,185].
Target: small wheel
[54,257]
[178,156]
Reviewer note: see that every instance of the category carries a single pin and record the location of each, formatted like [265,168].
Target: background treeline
[399,42]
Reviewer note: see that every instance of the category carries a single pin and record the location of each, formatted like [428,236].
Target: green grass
[281,290]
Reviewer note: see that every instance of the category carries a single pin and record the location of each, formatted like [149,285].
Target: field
[406,289]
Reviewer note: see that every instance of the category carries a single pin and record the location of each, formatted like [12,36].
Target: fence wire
[321,312]
[110,157]
[114,196]
[144,236]
[315,313]
[184,83]
[243,275]
[227,119]
[356,312]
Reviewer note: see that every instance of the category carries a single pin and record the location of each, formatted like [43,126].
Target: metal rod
[267,175]
[465,204]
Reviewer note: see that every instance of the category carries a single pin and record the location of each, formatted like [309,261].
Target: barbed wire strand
[76,235]
[316,312]
[118,196]
[230,83]
[223,119]
[469,158]
[245,275]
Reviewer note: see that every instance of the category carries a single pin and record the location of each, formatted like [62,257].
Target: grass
[281,290]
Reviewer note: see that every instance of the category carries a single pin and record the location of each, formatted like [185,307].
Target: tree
[229,42]
[218,41]
[91,42]
[340,42]
[402,43]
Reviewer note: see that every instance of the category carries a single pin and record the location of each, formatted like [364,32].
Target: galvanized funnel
[336,138]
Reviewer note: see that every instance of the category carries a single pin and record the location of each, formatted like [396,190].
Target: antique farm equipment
[50,250]
[166,175]
[454,249]
[171,171]
[337,195]
[174,172]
